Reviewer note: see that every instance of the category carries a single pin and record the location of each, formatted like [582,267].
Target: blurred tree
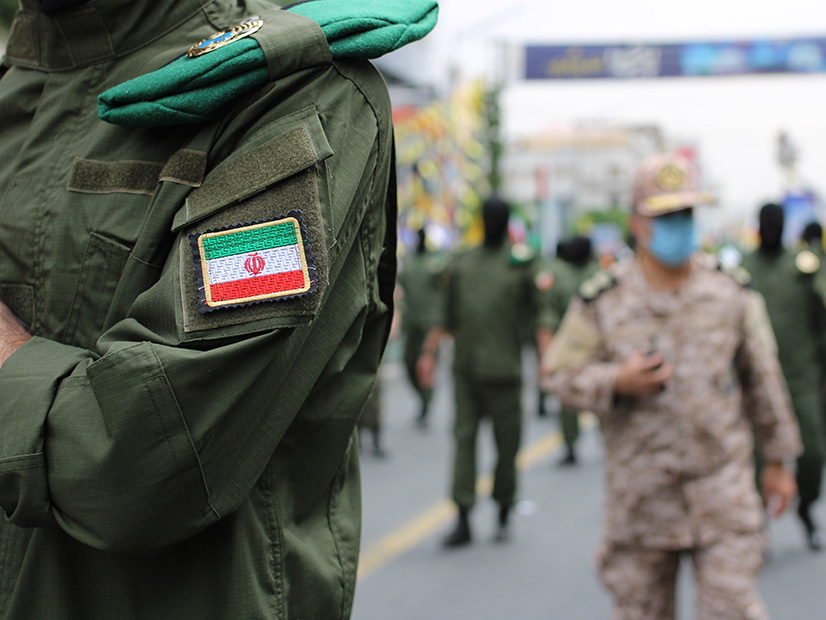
[493,135]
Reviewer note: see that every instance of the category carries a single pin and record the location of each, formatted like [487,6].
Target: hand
[643,375]
[426,369]
[779,488]
[13,334]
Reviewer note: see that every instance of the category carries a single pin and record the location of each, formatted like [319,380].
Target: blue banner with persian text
[719,58]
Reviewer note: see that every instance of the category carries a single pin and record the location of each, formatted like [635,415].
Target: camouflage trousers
[643,581]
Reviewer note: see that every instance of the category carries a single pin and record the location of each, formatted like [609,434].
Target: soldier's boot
[569,459]
[814,536]
[460,535]
[503,524]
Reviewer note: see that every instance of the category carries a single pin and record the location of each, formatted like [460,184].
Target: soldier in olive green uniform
[491,296]
[370,420]
[812,238]
[575,263]
[789,284]
[422,308]
[545,280]
[206,292]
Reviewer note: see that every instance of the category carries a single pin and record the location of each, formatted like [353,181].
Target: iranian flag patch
[251,263]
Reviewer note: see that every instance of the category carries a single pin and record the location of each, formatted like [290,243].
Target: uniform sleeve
[766,398]
[555,307]
[535,319]
[574,367]
[165,426]
[818,305]
[543,285]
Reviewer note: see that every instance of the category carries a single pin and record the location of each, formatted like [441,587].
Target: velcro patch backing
[109,177]
[186,167]
[252,263]
[90,176]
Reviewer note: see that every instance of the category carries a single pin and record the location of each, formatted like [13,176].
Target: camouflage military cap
[664,183]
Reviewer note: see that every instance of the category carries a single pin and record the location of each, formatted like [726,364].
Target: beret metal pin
[225,37]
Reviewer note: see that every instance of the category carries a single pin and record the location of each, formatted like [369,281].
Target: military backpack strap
[595,285]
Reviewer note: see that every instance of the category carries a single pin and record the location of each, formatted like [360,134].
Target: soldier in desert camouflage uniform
[678,360]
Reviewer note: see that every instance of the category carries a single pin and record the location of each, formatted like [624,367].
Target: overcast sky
[735,121]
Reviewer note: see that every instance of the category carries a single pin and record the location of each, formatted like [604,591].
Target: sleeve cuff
[28,382]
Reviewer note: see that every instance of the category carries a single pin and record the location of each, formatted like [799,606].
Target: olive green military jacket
[491,298]
[789,282]
[161,457]
[424,296]
[563,279]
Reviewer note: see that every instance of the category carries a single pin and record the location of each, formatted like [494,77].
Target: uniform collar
[665,301]
[92,32]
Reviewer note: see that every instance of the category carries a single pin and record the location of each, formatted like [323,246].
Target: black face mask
[495,213]
[53,6]
[579,251]
[771,227]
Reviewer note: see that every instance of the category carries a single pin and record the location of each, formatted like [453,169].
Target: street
[546,569]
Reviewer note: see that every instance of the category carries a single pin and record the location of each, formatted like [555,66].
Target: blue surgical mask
[673,238]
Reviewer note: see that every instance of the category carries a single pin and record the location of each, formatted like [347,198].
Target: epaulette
[521,254]
[595,285]
[807,262]
[737,272]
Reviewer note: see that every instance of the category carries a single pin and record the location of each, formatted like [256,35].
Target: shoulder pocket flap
[294,149]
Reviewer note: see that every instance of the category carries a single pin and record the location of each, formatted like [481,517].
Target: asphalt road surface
[546,570]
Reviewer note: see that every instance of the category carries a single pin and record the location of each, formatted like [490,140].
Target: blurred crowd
[706,372]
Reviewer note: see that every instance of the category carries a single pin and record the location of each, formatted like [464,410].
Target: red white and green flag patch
[251,263]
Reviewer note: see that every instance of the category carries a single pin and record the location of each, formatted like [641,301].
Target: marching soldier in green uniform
[575,263]
[788,281]
[422,308]
[370,420]
[545,279]
[812,239]
[491,296]
[197,262]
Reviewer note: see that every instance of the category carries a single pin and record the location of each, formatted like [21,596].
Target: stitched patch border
[253,262]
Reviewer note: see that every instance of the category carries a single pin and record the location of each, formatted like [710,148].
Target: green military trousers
[809,465]
[500,400]
[807,407]
[413,342]
[569,421]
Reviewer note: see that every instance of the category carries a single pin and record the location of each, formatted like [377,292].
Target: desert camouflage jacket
[678,465]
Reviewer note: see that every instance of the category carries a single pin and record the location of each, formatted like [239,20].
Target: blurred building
[569,171]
